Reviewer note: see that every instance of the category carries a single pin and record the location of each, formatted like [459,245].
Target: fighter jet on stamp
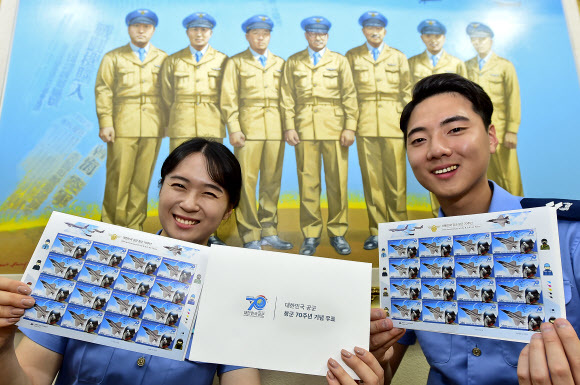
[418,227]
[469,246]
[124,304]
[176,250]
[76,226]
[501,220]
[469,267]
[41,311]
[67,246]
[173,270]
[104,255]
[139,262]
[433,248]
[59,267]
[79,318]
[401,250]
[403,289]
[87,295]
[436,311]
[517,317]
[404,310]
[50,288]
[471,290]
[160,312]
[435,290]
[402,269]
[434,268]
[403,229]
[510,243]
[167,290]
[473,313]
[131,282]
[153,334]
[514,291]
[512,267]
[96,275]
[116,327]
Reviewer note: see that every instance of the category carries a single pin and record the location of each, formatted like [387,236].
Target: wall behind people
[52,158]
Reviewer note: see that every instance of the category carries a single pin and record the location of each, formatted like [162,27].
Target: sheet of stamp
[281,311]
[494,275]
[114,286]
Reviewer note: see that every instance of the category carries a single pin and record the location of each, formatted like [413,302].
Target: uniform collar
[257,55]
[370,47]
[431,56]
[501,200]
[136,49]
[484,60]
[203,51]
[311,52]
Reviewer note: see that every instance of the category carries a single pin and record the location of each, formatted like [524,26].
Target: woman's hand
[14,300]
[364,364]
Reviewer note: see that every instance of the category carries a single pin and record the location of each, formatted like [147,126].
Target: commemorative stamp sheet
[115,286]
[494,275]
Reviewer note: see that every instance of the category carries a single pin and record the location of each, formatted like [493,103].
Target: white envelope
[280,311]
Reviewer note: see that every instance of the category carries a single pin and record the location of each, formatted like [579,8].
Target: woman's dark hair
[449,83]
[222,166]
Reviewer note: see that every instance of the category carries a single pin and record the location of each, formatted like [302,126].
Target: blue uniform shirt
[86,363]
[451,356]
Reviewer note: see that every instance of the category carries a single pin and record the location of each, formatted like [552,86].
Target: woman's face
[191,204]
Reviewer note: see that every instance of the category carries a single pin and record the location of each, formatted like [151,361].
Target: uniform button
[141,361]
[315,110]
[314,84]
[266,86]
[197,80]
[380,105]
[476,352]
[144,109]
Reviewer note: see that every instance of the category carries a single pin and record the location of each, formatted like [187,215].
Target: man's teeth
[185,221]
[448,169]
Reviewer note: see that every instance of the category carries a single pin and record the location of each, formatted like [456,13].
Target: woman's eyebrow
[179,178]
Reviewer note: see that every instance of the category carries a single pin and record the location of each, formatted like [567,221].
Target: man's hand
[107,134]
[383,337]
[510,140]
[291,137]
[363,363]
[346,138]
[552,356]
[237,139]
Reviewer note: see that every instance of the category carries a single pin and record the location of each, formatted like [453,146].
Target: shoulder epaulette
[567,209]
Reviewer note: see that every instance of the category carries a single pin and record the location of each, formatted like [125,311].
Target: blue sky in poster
[58,46]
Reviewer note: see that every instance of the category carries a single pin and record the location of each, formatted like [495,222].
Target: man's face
[448,146]
[316,40]
[199,37]
[434,43]
[482,45]
[374,35]
[140,34]
[259,40]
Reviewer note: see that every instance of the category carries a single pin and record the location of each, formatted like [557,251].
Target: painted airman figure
[497,76]
[383,84]
[250,106]
[320,112]
[190,83]
[131,120]
[434,60]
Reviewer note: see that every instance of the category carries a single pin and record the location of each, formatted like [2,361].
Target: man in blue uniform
[450,140]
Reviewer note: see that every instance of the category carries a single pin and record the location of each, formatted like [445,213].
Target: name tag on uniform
[498,75]
[331,69]
[278,70]
[217,69]
[391,64]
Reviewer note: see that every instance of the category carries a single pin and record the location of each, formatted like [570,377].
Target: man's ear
[493,142]
[228,213]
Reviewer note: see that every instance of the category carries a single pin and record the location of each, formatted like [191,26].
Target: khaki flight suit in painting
[128,98]
[421,67]
[250,104]
[498,78]
[383,89]
[319,102]
[191,92]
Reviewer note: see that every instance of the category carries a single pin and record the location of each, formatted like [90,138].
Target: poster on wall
[317,137]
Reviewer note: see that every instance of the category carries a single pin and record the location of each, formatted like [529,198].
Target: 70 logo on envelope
[257,303]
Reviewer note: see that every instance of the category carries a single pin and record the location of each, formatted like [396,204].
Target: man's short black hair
[449,83]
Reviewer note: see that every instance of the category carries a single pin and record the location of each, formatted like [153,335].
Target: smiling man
[434,60]
[320,114]
[250,106]
[381,76]
[190,85]
[131,120]
[450,139]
